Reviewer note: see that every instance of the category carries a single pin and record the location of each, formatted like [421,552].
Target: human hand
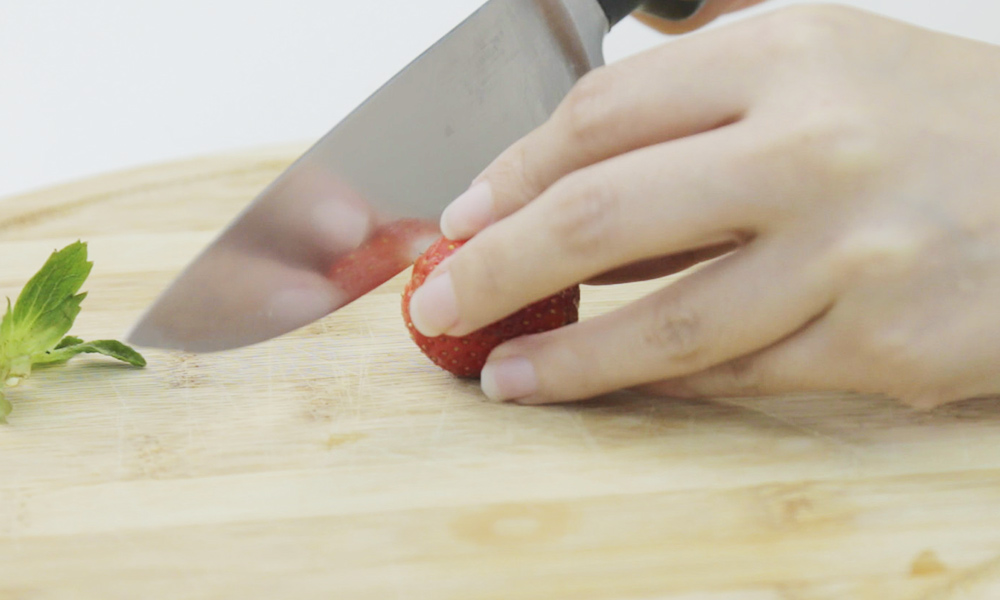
[843,168]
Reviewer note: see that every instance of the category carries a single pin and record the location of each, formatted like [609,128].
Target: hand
[844,171]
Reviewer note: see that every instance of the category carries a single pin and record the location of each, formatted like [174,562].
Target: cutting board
[337,462]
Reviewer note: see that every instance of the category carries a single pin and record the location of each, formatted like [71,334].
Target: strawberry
[389,249]
[465,356]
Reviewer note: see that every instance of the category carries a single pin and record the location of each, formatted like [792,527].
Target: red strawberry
[465,356]
[388,250]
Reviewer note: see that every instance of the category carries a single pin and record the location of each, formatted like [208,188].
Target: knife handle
[675,10]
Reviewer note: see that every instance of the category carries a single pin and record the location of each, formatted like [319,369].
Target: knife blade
[364,201]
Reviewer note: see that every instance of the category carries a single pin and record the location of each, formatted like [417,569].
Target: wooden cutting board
[337,462]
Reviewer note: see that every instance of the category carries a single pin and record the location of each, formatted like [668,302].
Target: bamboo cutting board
[337,462]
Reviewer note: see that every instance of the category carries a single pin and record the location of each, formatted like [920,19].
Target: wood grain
[337,462]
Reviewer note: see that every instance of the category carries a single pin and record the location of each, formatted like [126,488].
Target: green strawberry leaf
[69,340]
[33,330]
[48,304]
[112,348]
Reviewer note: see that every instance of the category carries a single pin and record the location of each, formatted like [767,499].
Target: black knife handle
[675,10]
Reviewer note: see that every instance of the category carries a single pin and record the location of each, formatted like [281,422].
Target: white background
[99,85]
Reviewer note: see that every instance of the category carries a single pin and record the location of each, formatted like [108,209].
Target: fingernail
[470,213]
[433,306]
[508,379]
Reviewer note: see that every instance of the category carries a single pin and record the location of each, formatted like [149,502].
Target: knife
[363,202]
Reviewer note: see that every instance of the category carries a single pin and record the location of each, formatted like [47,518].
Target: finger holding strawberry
[465,355]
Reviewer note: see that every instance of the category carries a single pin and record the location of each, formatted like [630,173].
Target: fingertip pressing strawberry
[465,356]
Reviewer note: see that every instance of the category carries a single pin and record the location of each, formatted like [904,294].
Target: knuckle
[877,252]
[675,333]
[837,146]
[583,214]
[588,112]
[829,153]
[513,177]
[840,143]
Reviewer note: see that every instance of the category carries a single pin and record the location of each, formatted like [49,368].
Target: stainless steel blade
[362,203]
